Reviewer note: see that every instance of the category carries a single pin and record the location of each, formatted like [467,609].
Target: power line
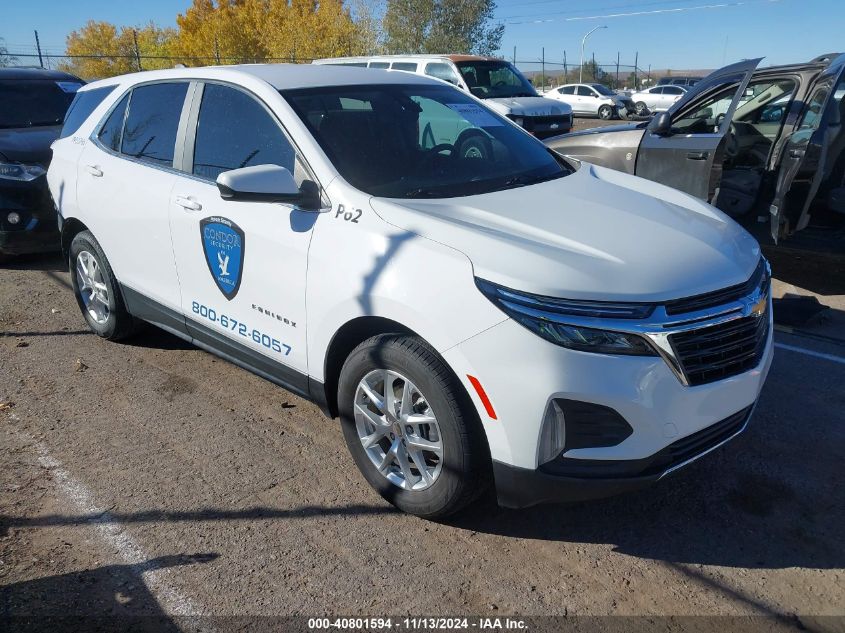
[723,5]
[627,5]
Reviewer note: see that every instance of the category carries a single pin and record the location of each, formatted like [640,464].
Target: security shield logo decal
[223,245]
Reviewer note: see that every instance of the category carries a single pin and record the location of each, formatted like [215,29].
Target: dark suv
[764,145]
[679,81]
[33,103]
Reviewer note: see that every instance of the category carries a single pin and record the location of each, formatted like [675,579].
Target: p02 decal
[242,329]
[223,243]
[352,215]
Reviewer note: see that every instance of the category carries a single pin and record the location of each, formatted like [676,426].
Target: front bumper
[522,374]
[568,480]
[37,231]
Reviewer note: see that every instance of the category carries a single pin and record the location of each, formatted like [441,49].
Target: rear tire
[388,440]
[96,290]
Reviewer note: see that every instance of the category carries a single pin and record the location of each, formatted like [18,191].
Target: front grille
[548,125]
[720,297]
[721,351]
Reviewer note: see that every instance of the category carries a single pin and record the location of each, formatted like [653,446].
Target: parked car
[765,146]
[656,99]
[33,103]
[469,318]
[499,83]
[593,100]
[688,82]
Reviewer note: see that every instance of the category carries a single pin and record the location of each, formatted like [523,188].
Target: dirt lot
[151,478]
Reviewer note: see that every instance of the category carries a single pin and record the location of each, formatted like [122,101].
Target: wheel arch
[71,227]
[348,337]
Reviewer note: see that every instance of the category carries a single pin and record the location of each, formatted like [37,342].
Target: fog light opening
[553,433]
[13,218]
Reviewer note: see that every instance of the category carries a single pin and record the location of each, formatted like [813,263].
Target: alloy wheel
[398,430]
[92,287]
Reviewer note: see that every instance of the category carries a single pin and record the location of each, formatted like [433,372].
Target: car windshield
[34,103]
[602,89]
[493,78]
[420,141]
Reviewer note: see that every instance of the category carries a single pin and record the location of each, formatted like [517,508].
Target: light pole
[583,42]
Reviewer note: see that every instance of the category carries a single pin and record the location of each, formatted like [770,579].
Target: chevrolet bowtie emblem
[759,308]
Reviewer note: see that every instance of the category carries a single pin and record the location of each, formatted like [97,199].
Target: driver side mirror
[267,183]
[661,125]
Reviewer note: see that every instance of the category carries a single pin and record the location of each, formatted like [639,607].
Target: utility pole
[583,42]
[617,69]
[216,49]
[137,50]
[514,55]
[543,66]
[38,46]
[636,70]
[565,70]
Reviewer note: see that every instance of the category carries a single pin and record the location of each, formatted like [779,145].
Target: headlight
[17,171]
[552,319]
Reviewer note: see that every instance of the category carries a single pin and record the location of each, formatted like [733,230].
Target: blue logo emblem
[223,244]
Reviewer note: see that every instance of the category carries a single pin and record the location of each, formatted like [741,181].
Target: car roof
[280,76]
[416,56]
[37,73]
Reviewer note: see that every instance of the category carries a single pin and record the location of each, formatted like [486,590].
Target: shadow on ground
[108,598]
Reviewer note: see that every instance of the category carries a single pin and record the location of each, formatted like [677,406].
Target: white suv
[498,82]
[506,316]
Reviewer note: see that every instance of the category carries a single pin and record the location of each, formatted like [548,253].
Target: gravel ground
[151,478]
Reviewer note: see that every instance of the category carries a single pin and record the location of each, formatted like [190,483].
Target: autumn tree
[442,26]
[100,49]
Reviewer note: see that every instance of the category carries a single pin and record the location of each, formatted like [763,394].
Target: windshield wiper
[422,192]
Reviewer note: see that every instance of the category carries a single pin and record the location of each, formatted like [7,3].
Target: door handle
[186,203]
[94,171]
[796,153]
[698,155]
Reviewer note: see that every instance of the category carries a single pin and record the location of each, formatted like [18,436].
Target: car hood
[597,234]
[528,106]
[28,144]
[609,129]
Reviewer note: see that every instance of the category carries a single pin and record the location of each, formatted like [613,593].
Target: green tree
[442,26]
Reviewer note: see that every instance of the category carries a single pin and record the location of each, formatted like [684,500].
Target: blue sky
[669,33]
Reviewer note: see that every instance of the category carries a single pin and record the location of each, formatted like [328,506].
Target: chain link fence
[546,74]
[543,74]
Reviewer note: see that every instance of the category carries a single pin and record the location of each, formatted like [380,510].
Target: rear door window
[568,90]
[379,65]
[84,103]
[404,66]
[150,131]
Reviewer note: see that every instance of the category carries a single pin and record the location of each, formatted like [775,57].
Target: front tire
[641,108]
[411,428]
[96,290]
[605,112]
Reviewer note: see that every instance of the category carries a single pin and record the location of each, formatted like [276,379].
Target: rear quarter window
[84,103]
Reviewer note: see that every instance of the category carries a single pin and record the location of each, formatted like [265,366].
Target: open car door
[807,161]
[683,154]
